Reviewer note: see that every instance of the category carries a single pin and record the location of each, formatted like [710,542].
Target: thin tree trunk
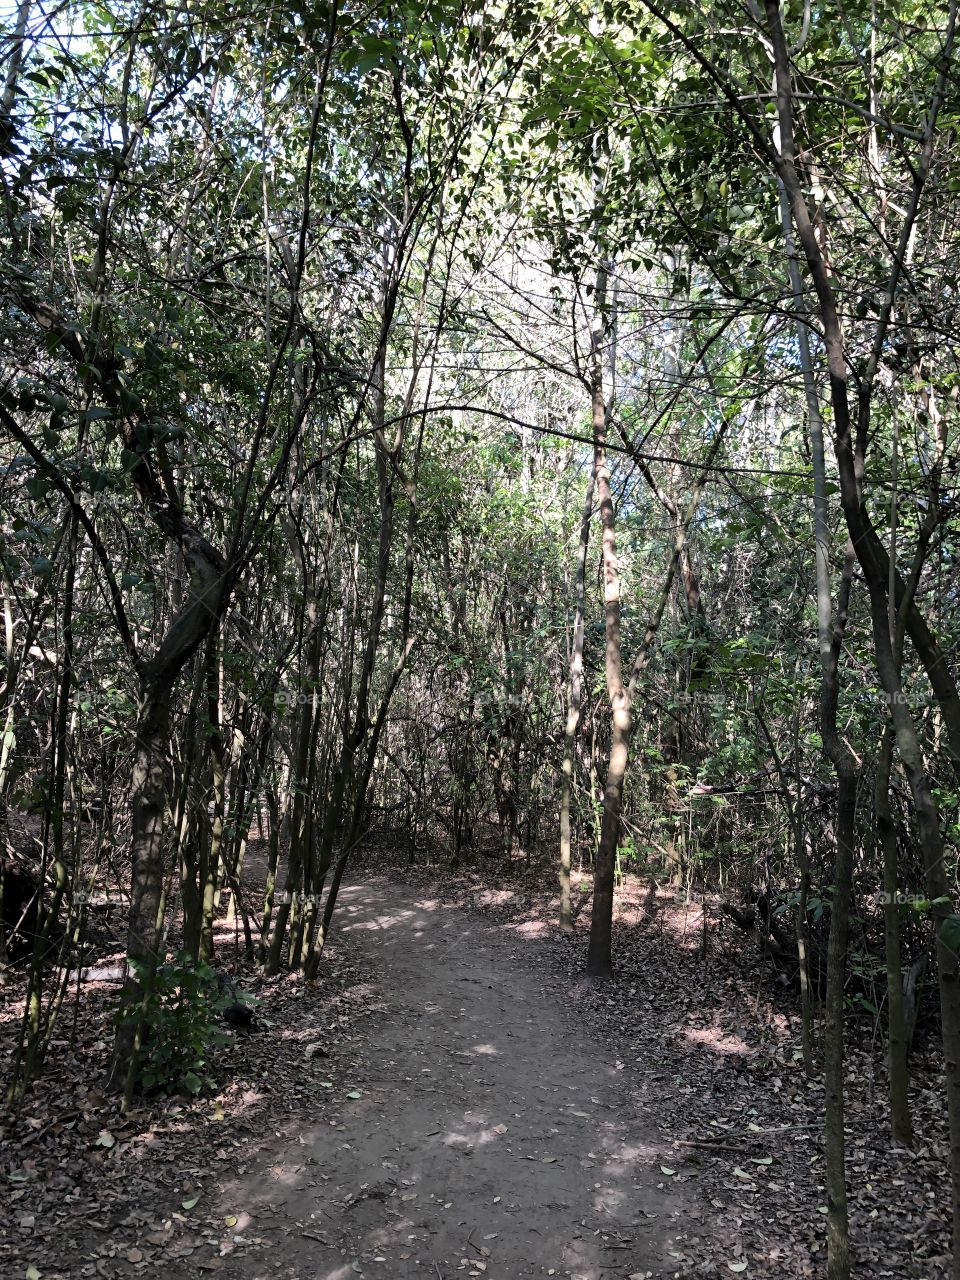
[837,752]
[838,1237]
[876,568]
[901,1125]
[599,951]
[575,702]
[46,918]
[148,796]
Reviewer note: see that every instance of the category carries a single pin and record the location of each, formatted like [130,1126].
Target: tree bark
[574,704]
[901,1125]
[850,462]
[599,951]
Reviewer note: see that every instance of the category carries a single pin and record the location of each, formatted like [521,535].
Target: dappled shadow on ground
[94,1193]
[708,1042]
[453,1098]
[489,1134]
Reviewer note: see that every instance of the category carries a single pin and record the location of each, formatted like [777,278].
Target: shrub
[181,1034]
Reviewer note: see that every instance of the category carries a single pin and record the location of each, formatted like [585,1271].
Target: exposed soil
[451,1099]
[492,1135]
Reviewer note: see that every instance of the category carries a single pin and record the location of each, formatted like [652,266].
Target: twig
[706,1143]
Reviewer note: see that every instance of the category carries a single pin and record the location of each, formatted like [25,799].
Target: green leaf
[950,933]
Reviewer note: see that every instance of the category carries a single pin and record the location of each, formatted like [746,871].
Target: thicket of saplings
[191,1003]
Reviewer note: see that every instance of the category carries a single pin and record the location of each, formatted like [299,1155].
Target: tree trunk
[148,798]
[901,1125]
[599,951]
[575,702]
[876,568]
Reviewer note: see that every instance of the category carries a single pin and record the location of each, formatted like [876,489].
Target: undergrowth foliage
[181,1011]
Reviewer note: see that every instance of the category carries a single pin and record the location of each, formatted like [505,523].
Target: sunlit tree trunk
[574,704]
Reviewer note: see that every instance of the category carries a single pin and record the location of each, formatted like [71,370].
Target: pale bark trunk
[575,702]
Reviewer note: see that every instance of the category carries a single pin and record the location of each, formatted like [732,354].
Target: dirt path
[492,1137]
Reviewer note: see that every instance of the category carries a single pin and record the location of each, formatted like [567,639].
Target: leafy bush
[181,1033]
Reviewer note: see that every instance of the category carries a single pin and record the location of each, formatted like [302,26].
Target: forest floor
[452,1099]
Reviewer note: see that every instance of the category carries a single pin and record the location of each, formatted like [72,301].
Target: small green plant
[180,1031]
[815,906]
